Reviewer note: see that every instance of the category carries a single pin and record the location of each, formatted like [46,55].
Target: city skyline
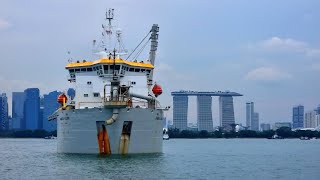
[30,111]
[270,57]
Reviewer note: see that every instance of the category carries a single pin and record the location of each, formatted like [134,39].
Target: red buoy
[62,98]
[157,90]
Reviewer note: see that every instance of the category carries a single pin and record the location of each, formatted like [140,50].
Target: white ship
[115,109]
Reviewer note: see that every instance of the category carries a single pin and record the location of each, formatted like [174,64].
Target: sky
[267,50]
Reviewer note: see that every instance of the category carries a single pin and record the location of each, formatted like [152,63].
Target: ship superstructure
[115,109]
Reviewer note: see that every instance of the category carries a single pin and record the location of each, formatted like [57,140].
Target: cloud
[267,74]
[289,45]
[4,24]
[279,44]
[166,71]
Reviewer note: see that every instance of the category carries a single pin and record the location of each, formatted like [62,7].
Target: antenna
[108,30]
[109,15]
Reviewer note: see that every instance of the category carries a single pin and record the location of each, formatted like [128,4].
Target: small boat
[304,138]
[50,137]
[165,134]
[275,137]
[165,137]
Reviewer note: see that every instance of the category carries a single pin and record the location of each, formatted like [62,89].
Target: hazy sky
[267,50]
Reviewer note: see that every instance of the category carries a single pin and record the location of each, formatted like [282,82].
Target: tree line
[38,133]
[284,132]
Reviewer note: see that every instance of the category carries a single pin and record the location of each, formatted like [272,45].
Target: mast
[153,49]
[108,29]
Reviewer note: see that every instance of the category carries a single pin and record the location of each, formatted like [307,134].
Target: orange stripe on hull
[104,142]
[107,149]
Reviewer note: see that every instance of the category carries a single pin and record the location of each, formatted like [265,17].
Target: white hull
[78,131]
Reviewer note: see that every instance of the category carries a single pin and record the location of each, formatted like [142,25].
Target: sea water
[181,159]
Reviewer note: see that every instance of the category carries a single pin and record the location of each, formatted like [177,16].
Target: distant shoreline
[283,132]
[38,133]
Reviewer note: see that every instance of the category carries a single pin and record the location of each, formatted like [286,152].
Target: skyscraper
[226,111]
[297,116]
[32,108]
[4,123]
[249,114]
[17,110]
[255,122]
[204,115]
[310,119]
[50,105]
[318,109]
[180,112]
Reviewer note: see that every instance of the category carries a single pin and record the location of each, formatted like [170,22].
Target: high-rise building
[255,122]
[41,120]
[180,112]
[32,108]
[10,125]
[310,119]
[204,107]
[4,123]
[249,114]
[318,109]
[297,116]
[204,115]
[265,127]
[318,120]
[17,110]
[226,111]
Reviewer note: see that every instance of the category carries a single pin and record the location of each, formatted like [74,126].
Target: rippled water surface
[181,159]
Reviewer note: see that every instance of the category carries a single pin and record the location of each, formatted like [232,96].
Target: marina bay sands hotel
[204,109]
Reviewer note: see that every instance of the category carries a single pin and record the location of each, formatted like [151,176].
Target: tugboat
[165,134]
[115,109]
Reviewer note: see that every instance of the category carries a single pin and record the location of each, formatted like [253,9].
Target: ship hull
[136,130]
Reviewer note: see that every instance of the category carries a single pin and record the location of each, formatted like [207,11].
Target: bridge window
[117,67]
[71,70]
[83,70]
[86,95]
[143,70]
[131,69]
[95,94]
[89,69]
[105,68]
[136,70]
[77,70]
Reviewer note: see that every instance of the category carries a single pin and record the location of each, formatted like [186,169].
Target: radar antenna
[108,29]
